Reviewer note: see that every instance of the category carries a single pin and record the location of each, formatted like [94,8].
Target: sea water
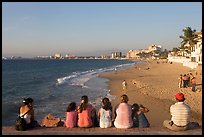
[53,84]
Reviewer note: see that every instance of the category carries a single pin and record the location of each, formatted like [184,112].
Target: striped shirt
[180,113]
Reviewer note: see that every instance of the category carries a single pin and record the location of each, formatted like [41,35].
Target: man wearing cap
[181,114]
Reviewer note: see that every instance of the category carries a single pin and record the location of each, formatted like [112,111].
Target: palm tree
[189,37]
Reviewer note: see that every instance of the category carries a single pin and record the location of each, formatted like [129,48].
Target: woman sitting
[123,112]
[86,113]
[29,116]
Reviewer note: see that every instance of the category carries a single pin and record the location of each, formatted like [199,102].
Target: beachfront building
[193,59]
[115,55]
[135,54]
[154,47]
[196,50]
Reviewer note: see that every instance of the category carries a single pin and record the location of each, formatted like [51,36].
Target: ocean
[53,84]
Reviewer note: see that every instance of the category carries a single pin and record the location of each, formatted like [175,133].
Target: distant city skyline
[32,29]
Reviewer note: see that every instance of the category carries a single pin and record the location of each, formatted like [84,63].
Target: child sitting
[86,114]
[71,115]
[105,114]
[138,116]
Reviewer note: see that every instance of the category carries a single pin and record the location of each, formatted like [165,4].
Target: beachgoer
[105,114]
[180,81]
[191,77]
[181,114]
[29,117]
[138,116]
[122,115]
[185,81]
[193,83]
[188,80]
[124,85]
[115,70]
[71,115]
[147,68]
[86,113]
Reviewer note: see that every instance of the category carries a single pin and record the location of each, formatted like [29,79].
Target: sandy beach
[156,87]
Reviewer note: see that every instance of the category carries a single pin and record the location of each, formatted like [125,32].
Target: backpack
[21,124]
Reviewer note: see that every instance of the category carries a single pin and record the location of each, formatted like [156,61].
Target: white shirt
[105,118]
[180,113]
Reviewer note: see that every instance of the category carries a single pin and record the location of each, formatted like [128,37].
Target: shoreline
[158,102]
[155,88]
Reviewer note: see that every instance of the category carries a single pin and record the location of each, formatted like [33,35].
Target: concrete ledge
[10,130]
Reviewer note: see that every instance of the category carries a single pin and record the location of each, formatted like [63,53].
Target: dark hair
[135,108]
[83,105]
[26,101]
[71,107]
[124,98]
[106,104]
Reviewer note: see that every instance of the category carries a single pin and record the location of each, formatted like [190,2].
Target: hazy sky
[94,28]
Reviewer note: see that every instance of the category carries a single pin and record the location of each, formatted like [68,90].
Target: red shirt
[71,119]
[193,81]
[84,118]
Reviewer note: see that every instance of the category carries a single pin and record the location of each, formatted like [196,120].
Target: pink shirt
[123,116]
[71,119]
[84,118]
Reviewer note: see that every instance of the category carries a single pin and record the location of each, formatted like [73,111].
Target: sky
[32,29]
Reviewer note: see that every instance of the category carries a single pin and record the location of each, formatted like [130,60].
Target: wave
[80,78]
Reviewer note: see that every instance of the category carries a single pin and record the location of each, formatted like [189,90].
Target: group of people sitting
[123,116]
[85,115]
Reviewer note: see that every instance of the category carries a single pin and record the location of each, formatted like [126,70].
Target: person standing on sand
[193,84]
[191,77]
[185,81]
[181,114]
[188,80]
[124,85]
[115,70]
[180,81]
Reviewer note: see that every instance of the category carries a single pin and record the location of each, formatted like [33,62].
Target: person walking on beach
[105,114]
[86,113]
[122,114]
[180,81]
[193,84]
[138,116]
[71,115]
[29,116]
[124,85]
[181,114]
[115,70]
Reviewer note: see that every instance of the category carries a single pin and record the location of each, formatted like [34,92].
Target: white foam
[80,78]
